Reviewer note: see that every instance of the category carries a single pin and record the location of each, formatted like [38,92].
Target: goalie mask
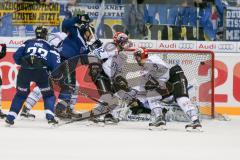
[121,40]
[140,55]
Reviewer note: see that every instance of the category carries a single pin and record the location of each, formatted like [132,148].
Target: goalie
[159,82]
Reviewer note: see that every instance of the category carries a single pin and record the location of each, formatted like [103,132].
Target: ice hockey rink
[129,140]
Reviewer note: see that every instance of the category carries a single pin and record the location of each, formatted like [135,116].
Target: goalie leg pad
[179,82]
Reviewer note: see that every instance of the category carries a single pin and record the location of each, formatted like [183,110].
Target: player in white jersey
[108,75]
[54,39]
[160,81]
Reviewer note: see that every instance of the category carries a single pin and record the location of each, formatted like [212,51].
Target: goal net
[197,66]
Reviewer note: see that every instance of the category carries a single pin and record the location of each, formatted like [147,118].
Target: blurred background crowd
[143,19]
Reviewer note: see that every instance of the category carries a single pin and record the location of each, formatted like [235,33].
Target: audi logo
[225,46]
[145,44]
[186,46]
[12,74]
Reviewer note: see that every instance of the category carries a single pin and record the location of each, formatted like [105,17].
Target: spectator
[186,15]
[162,14]
[134,20]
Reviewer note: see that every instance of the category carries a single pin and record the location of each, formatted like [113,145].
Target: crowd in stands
[151,19]
[209,18]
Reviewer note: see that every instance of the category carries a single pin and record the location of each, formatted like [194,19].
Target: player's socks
[26,113]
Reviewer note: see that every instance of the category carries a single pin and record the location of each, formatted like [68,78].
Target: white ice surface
[33,140]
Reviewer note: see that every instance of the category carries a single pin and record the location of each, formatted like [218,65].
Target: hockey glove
[95,45]
[151,84]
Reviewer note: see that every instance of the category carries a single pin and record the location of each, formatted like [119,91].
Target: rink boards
[227,71]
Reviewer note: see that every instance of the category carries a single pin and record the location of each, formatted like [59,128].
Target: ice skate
[9,123]
[159,122]
[73,114]
[195,126]
[2,115]
[110,119]
[61,113]
[53,123]
[26,114]
[96,121]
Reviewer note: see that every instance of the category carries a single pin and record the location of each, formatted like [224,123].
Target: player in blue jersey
[57,39]
[75,44]
[54,39]
[3,49]
[36,58]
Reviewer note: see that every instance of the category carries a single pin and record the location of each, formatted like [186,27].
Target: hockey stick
[95,112]
[103,109]
[100,15]
[87,96]
[84,116]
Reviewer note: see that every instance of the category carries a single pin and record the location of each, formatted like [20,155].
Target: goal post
[198,66]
